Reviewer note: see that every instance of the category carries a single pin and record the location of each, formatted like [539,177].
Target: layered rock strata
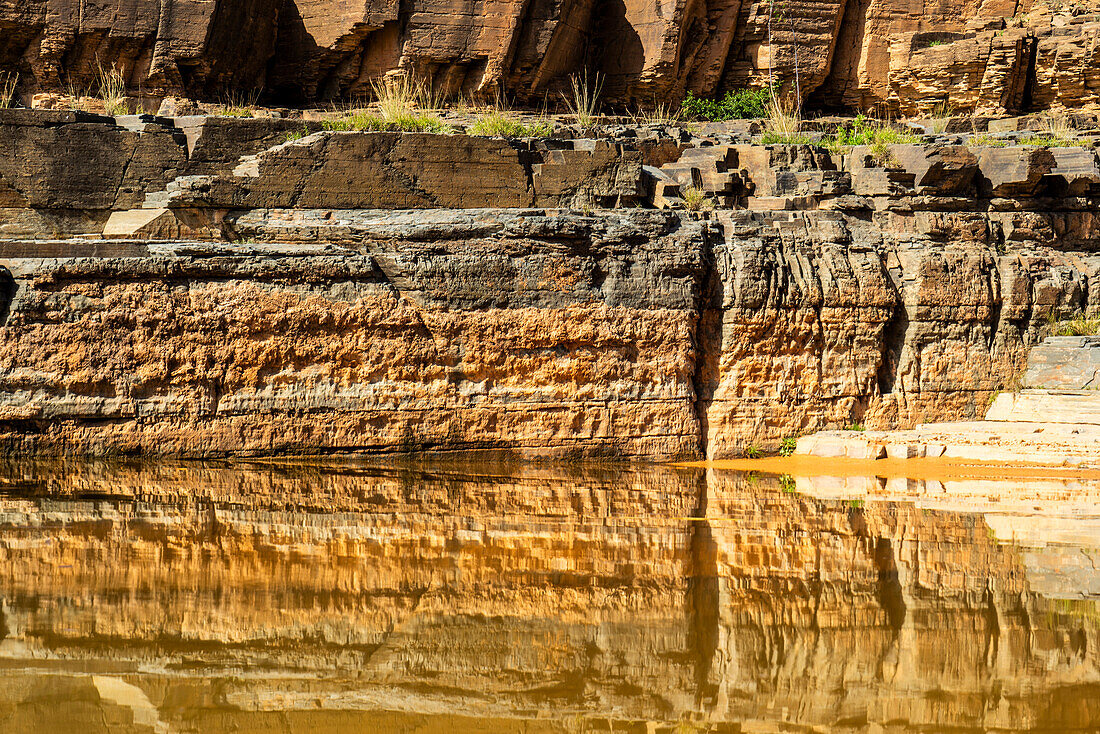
[1054,419]
[479,596]
[988,57]
[289,300]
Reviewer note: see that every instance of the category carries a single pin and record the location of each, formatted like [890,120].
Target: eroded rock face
[491,329]
[988,57]
[634,333]
[170,45]
[337,291]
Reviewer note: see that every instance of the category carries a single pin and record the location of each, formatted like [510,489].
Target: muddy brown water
[431,595]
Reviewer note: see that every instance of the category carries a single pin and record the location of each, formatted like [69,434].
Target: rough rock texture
[199,598]
[200,47]
[990,56]
[456,329]
[340,292]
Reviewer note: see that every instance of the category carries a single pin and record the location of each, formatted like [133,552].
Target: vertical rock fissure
[708,337]
[8,288]
[893,340]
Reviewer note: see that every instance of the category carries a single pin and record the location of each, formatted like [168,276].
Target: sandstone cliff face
[289,301]
[200,47]
[991,57]
[390,594]
[499,329]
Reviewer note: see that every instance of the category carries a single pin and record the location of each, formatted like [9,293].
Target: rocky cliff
[351,291]
[993,56]
[342,291]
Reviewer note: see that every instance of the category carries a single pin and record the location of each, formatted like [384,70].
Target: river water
[452,596]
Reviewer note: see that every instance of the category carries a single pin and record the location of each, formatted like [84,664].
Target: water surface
[425,596]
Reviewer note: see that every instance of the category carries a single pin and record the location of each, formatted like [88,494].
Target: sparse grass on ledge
[1058,133]
[500,123]
[661,113]
[8,82]
[1079,325]
[409,122]
[985,141]
[584,101]
[783,125]
[111,90]
[696,200]
[239,104]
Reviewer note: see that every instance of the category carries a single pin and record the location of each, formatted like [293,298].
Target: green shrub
[742,104]
[872,133]
[788,446]
[865,131]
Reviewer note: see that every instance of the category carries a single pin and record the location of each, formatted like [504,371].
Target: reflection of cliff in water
[459,597]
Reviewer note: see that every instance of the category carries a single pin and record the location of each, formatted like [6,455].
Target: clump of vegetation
[696,200]
[940,116]
[8,83]
[783,125]
[787,484]
[787,447]
[409,122]
[397,96]
[111,90]
[661,113]
[752,452]
[584,100]
[1057,133]
[239,104]
[500,123]
[293,135]
[854,427]
[873,133]
[741,104]
[985,141]
[1079,325]
[397,99]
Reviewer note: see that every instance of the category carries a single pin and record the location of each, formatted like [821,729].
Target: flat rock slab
[1065,362]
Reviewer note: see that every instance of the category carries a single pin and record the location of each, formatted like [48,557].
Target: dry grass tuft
[783,125]
[585,98]
[696,200]
[111,90]
[8,82]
